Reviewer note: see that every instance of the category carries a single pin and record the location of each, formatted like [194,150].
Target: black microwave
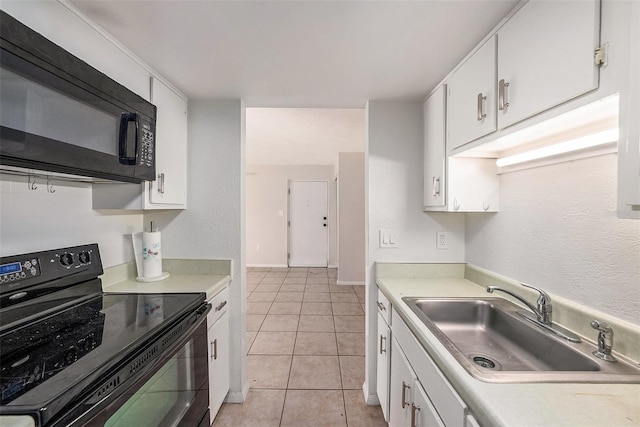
[59,114]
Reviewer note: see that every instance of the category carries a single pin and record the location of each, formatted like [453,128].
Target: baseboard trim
[347,282]
[238,396]
[268,265]
[370,399]
[333,266]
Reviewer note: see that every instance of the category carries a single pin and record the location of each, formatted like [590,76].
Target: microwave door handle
[123,141]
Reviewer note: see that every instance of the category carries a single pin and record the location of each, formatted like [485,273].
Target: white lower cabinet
[419,393]
[401,388]
[384,351]
[218,339]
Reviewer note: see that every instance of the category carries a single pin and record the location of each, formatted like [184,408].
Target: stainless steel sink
[494,344]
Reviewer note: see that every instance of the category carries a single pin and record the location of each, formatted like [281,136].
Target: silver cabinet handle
[381,306]
[405,387]
[382,339]
[502,95]
[161,183]
[214,349]
[481,113]
[221,305]
[414,409]
[436,186]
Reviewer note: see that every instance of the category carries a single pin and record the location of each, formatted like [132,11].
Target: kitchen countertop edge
[500,404]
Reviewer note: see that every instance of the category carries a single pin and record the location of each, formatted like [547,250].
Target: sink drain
[484,362]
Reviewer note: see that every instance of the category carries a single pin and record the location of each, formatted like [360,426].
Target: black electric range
[63,341]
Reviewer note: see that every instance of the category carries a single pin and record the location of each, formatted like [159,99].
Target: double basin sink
[495,344]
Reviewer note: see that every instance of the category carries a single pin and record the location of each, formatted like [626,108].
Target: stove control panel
[20,269]
[29,275]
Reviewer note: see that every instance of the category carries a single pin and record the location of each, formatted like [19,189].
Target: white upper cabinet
[454,184]
[434,149]
[546,57]
[471,97]
[170,186]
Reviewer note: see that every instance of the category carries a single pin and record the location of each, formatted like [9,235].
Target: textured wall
[213,225]
[266,195]
[37,220]
[394,184]
[351,237]
[557,229]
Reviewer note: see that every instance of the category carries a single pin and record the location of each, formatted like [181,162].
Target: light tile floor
[305,352]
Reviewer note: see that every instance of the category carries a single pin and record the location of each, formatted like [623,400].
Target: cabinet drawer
[384,307]
[219,304]
[447,402]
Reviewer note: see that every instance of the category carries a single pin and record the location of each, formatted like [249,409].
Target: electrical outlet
[442,240]
[258,247]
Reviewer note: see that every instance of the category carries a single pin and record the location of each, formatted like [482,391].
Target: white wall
[37,220]
[266,195]
[351,218]
[213,226]
[394,186]
[557,229]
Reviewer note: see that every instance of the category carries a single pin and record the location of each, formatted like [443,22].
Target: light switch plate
[388,238]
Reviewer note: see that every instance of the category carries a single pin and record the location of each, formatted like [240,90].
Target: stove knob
[84,257]
[66,259]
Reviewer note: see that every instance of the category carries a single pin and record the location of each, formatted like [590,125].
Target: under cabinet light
[587,141]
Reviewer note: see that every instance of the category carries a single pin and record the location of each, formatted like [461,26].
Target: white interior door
[308,224]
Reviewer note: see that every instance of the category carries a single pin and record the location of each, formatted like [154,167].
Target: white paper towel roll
[151,254]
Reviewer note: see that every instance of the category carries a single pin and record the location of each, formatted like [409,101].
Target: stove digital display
[10,268]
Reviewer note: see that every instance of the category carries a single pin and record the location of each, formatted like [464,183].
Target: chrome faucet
[544,310]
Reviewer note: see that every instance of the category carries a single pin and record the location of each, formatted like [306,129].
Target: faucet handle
[605,341]
[543,299]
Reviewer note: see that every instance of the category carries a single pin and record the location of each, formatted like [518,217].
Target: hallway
[305,355]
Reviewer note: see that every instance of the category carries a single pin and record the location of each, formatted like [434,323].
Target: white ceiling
[336,54]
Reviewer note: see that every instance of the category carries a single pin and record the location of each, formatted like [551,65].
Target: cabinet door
[218,337]
[171,147]
[423,414]
[471,97]
[546,55]
[400,388]
[434,149]
[383,356]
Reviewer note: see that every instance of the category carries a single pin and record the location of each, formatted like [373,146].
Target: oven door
[174,393]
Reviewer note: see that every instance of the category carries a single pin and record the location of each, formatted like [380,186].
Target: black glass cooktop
[59,351]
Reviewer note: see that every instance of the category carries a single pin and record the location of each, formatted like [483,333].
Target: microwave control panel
[147,146]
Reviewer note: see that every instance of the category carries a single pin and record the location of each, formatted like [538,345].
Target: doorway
[308,223]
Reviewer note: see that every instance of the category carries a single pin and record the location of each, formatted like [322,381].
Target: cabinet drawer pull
[381,306]
[382,339]
[436,186]
[214,349]
[405,387]
[221,305]
[481,99]
[414,409]
[502,95]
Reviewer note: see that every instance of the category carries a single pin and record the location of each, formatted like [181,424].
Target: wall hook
[50,188]
[31,183]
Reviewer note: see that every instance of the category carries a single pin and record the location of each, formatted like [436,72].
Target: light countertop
[493,404]
[208,276]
